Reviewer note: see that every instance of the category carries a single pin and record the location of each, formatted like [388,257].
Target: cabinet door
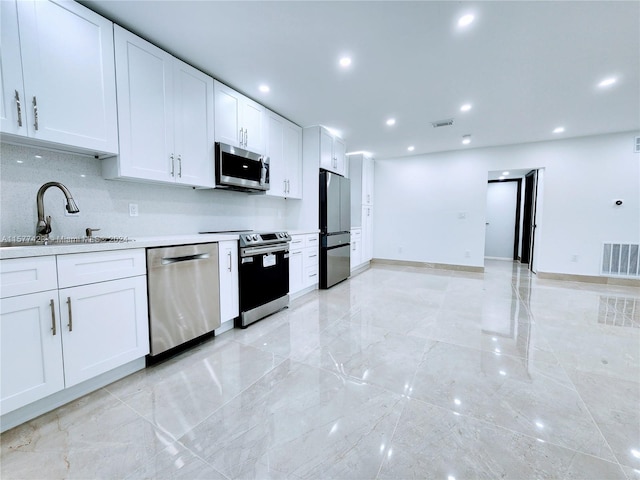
[229,290]
[292,155]
[227,115]
[145,108]
[193,126]
[275,152]
[104,326]
[31,354]
[339,155]
[326,151]
[367,181]
[253,121]
[296,271]
[69,74]
[13,107]
[367,233]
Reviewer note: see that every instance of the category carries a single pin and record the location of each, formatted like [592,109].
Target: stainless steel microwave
[238,169]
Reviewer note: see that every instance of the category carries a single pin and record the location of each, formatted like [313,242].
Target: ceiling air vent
[442,123]
[637,145]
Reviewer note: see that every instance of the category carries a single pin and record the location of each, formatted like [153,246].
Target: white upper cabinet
[332,152]
[239,120]
[293,159]
[67,93]
[284,149]
[12,109]
[194,126]
[165,115]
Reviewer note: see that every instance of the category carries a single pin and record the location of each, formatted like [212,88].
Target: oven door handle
[247,252]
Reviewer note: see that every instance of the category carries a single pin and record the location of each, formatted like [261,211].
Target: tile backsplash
[104,204]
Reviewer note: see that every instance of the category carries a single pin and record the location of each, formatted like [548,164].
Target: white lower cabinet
[31,352]
[229,288]
[57,338]
[103,326]
[303,262]
[356,247]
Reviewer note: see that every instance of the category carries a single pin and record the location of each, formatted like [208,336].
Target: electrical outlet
[467,254]
[462,215]
[574,257]
[400,249]
[133,209]
[67,214]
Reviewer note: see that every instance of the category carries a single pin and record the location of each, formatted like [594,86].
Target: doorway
[502,228]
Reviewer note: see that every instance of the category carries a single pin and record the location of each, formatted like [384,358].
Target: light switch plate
[133,209]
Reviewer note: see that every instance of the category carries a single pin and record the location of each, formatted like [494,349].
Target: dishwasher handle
[186,258]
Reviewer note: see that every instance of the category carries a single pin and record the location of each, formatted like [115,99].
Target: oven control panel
[247,239]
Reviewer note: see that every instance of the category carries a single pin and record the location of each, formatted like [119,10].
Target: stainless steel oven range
[263,275]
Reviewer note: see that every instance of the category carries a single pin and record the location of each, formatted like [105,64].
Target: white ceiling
[526,67]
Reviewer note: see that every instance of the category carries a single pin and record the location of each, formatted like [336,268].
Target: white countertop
[135,242]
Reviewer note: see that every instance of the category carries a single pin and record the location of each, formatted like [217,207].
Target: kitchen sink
[34,242]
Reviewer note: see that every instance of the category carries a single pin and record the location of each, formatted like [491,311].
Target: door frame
[516,237]
[529,217]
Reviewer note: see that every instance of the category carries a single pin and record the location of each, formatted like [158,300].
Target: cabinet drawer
[297,241]
[310,257]
[85,268]
[312,240]
[19,276]
[311,275]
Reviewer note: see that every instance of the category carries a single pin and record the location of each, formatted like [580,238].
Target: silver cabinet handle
[53,317]
[70,324]
[180,166]
[19,107]
[241,140]
[246,137]
[35,112]
[285,186]
[172,165]
[229,255]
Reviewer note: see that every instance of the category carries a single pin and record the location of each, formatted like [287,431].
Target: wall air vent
[442,123]
[637,145]
[621,259]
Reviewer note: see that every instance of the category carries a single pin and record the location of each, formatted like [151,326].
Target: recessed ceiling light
[264,88]
[466,139]
[411,148]
[558,130]
[466,107]
[345,61]
[37,156]
[465,20]
[505,173]
[19,161]
[391,121]
[607,82]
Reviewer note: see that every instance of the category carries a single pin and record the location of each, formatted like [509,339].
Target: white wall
[104,204]
[420,199]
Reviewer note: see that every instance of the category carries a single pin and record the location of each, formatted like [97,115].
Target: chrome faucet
[43,228]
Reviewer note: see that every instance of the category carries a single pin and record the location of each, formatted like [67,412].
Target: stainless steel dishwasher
[184,294]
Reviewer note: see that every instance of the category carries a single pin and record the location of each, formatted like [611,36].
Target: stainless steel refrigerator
[335,226]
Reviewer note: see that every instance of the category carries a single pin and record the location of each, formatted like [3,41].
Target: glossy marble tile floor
[397,373]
